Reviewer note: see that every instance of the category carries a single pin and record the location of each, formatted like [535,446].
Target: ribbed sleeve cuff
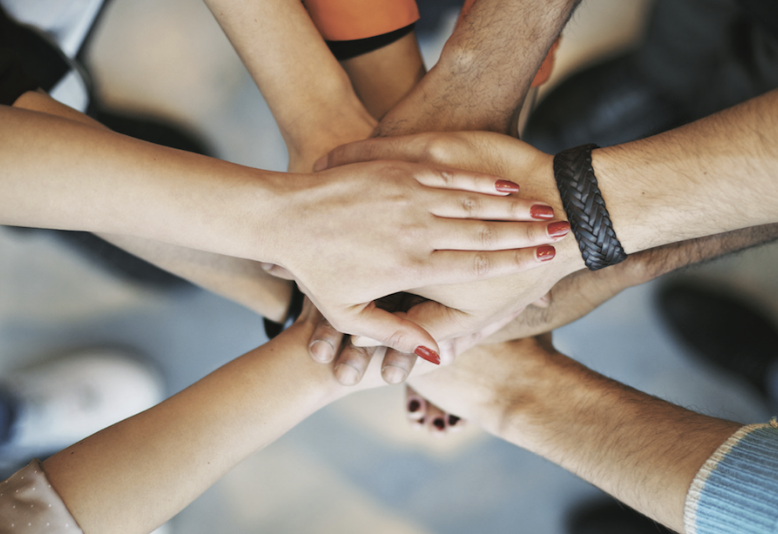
[736,490]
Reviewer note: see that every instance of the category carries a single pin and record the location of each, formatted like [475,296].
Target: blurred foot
[724,330]
[61,401]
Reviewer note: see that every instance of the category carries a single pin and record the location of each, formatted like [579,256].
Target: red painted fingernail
[540,211]
[428,354]
[414,406]
[504,186]
[545,253]
[558,229]
[439,423]
[452,420]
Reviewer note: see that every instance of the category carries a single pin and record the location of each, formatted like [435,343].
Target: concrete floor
[355,466]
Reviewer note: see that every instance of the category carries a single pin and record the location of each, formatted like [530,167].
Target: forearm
[712,176]
[138,473]
[383,77]
[581,292]
[240,280]
[485,70]
[640,449]
[308,92]
[61,173]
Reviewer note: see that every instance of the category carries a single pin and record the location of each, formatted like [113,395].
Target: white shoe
[64,400]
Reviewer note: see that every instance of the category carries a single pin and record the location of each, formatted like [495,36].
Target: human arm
[241,280]
[640,449]
[306,89]
[680,185]
[581,292]
[485,69]
[60,173]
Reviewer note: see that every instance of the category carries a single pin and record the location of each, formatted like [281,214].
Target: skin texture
[642,450]
[485,70]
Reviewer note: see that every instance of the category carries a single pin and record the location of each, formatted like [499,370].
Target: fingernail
[452,420]
[439,423]
[393,374]
[413,406]
[541,211]
[545,253]
[320,164]
[321,350]
[346,375]
[427,354]
[504,186]
[558,229]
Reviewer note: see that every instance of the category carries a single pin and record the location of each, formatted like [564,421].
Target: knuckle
[482,265]
[486,236]
[435,149]
[471,205]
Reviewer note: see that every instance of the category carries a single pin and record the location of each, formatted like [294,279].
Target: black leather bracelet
[585,208]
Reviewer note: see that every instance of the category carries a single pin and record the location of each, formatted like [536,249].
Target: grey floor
[355,466]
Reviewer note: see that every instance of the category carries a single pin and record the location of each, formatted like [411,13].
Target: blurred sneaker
[61,401]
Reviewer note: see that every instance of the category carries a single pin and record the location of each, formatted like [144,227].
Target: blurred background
[356,466]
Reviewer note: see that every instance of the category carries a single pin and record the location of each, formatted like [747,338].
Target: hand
[351,361]
[467,307]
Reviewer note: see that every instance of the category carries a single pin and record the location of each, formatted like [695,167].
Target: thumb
[396,332]
[439,320]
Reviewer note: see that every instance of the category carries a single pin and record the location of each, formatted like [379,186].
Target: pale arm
[308,92]
[135,475]
[241,280]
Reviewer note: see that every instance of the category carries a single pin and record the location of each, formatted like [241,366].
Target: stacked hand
[387,227]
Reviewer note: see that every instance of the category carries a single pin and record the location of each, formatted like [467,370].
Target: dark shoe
[611,517]
[723,330]
[699,57]
[606,104]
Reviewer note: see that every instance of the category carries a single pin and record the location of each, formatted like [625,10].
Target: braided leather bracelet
[585,208]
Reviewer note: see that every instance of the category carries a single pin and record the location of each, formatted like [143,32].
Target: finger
[403,148]
[456,267]
[324,342]
[483,235]
[415,404]
[396,332]
[463,205]
[351,364]
[397,366]
[448,178]
[362,341]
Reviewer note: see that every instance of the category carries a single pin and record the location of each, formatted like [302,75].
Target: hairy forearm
[308,92]
[135,475]
[485,70]
[640,449]
[712,176]
[581,292]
